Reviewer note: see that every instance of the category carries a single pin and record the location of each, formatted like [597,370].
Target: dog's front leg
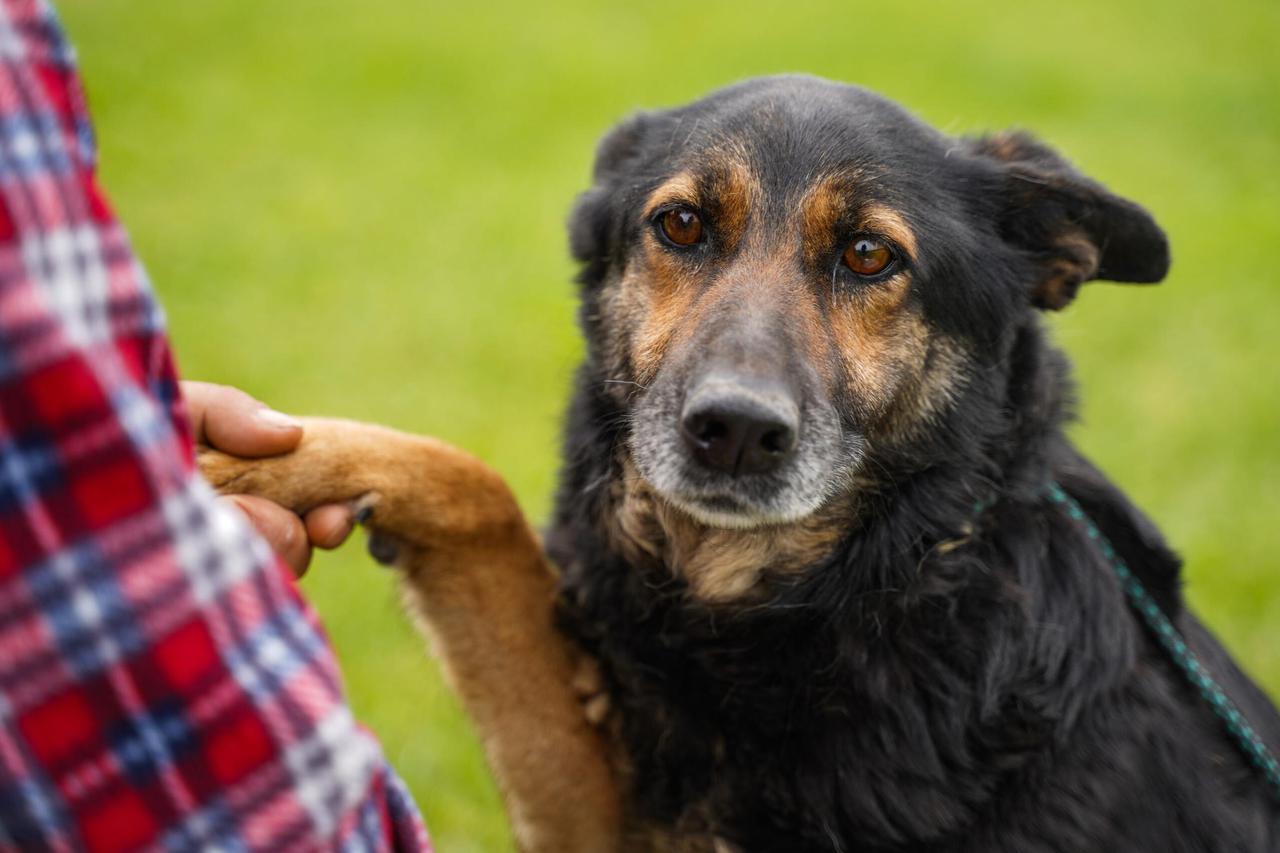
[476,576]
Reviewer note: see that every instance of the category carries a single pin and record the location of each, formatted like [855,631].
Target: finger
[282,529]
[329,526]
[233,422]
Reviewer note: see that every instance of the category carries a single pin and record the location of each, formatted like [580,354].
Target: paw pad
[383,548]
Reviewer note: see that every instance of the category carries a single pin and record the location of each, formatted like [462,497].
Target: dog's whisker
[624,382]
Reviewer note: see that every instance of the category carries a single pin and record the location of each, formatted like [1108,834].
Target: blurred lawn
[357,209]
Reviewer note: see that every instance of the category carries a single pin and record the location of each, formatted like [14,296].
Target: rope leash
[1175,644]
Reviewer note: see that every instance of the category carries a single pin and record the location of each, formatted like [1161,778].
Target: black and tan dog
[804,523]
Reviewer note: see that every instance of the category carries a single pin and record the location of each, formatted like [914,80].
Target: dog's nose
[739,431]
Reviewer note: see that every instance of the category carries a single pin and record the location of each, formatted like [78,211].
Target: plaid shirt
[162,684]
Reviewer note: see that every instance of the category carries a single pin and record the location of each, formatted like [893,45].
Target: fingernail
[277,420]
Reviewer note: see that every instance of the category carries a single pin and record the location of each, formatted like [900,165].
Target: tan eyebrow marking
[736,190]
[831,198]
[679,187]
[885,220]
[727,193]
[820,210]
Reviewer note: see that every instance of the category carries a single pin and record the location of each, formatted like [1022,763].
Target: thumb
[235,423]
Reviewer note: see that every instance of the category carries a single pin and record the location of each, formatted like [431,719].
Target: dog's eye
[681,226]
[868,256]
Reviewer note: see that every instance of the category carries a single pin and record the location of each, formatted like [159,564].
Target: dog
[847,584]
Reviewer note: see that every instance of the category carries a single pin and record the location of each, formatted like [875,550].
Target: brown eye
[868,256]
[681,226]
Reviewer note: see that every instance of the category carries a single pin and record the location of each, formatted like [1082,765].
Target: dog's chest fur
[754,721]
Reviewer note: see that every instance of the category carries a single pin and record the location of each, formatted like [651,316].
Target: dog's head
[790,273]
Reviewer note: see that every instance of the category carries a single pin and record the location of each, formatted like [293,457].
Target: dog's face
[790,275]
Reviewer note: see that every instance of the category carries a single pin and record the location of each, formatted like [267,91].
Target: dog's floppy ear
[593,219]
[1074,229]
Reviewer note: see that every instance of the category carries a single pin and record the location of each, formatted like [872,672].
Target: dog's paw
[386,548]
[301,480]
[233,475]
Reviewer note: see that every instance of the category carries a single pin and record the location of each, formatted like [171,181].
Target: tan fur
[884,220]
[934,384]
[681,188]
[903,371]
[736,192]
[719,565]
[476,577]
[728,193]
[1076,262]
[818,214]
[1005,145]
[881,340]
[878,336]
[831,199]
[659,294]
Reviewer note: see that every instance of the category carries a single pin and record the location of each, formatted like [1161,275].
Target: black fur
[998,696]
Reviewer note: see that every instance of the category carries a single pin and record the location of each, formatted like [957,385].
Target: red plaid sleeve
[162,684]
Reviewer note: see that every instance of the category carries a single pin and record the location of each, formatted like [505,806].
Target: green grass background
[357,208]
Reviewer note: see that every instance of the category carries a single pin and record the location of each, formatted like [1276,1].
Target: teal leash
[1176,645]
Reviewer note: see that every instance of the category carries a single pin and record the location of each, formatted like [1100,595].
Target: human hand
[230,420]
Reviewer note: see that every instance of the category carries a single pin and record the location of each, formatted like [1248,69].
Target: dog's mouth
[728,511]
[744,505]
[808,482]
